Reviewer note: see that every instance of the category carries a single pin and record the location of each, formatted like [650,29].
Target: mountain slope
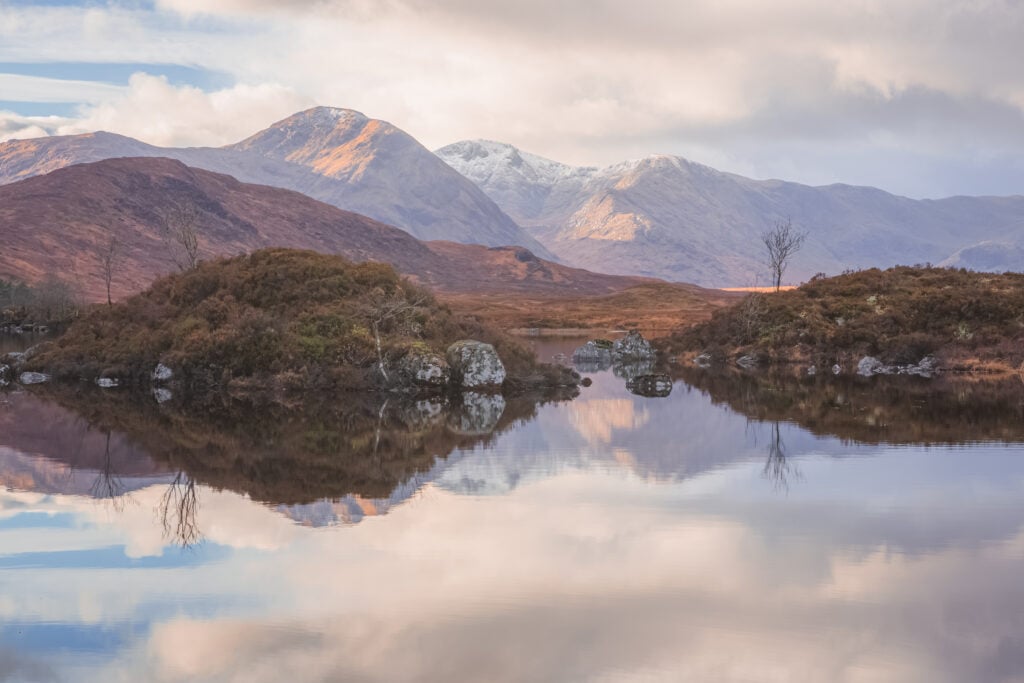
[335,155]
[59,223]
[666,217]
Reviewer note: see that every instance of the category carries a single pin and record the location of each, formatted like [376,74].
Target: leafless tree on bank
[782,242]
[181,233]
[110,261]
[389,311]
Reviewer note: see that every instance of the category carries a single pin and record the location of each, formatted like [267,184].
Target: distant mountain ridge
[338,156]
[666,217]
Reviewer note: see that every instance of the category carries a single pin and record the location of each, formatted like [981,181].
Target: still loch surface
[741,529]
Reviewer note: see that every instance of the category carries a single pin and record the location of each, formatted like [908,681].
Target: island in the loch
[278,324]
[903,320]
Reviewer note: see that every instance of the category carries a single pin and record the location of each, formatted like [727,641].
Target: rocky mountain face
[338,156]
[666,217]
[60,223]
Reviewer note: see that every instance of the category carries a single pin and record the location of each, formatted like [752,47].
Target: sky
[919,97]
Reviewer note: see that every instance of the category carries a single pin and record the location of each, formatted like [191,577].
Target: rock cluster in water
[870,366]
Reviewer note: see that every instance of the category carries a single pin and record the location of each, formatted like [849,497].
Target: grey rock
[836,369]
[632,347]
[162,373]
[653,385]
[812,371]
[107,382]
[870,366]
[592,353]
[425,369]
[475,364]
[33,378]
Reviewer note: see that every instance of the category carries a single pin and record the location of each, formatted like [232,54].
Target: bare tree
[781,242]
[181,233]
[110,261]
[389,311]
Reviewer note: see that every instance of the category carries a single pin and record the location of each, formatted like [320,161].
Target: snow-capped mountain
[338,156]
[664,216]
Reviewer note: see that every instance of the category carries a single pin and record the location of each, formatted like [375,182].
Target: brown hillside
[59,223]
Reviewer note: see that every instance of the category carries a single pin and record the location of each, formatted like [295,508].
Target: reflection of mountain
[899,410]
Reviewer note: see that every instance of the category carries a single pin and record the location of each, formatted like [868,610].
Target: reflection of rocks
[5,375]
[747,362]
[107,382]
[654,386]
[162,395]
[477,414]
[423,414]
[593,366]
[632,348]
[703,360]
[870,366]
[33,378]
[475,364]
[630,371]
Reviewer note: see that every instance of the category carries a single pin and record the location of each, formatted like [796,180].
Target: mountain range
[661,216]
[338,156]
[666,217]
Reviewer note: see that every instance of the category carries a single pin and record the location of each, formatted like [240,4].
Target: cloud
[852,90]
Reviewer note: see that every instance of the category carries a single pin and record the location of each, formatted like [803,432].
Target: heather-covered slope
[59,224]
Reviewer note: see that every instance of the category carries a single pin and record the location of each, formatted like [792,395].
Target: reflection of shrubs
[899,314]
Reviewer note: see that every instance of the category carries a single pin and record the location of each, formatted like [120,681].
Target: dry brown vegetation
[653,306]
[277,318]
[969,320]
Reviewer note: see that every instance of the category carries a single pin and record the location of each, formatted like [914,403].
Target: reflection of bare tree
[178,510]
[108,485]
[777,467]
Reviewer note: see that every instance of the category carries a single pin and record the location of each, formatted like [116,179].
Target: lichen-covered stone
[475,364]
[632,347]
[425,369]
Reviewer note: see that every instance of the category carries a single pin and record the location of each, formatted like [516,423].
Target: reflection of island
[297,456]
[899,410]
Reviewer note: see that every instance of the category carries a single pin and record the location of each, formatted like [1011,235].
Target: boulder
[33,378]
[107,382]
[478,413]
[632,347]
[592,354]
[475,364]
[870,366]
[926,367]
[654,385]
[162,373]
[424,369]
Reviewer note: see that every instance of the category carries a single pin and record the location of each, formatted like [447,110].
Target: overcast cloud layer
[921,97]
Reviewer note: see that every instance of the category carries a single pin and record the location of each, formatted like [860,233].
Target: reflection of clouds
[603,577]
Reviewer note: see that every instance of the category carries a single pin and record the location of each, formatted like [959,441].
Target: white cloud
[796,86]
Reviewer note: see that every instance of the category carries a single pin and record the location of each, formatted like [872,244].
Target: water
[740,529]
